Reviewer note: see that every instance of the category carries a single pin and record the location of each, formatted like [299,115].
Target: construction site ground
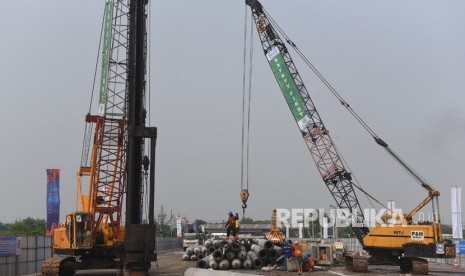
[170,263]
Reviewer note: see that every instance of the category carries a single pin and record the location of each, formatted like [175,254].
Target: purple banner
[53,199]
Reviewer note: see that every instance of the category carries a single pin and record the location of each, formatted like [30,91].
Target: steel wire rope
[249,100]
[414,174]
[246,94]
[246,100]
[243,97]
[378,140]
[88,130]
[292,44]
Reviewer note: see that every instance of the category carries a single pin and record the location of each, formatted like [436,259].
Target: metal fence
[164,244]
[34,250]
[459,260]
[352,244]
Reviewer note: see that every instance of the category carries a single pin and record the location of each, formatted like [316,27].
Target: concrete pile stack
[194,253]
[246,254]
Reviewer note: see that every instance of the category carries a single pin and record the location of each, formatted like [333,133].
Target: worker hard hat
[230,213]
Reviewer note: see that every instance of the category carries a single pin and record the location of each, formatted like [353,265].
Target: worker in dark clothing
[230,225]
[287,251]
[310,261]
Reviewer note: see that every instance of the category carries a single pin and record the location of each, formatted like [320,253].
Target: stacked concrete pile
[194,253]
[246,254]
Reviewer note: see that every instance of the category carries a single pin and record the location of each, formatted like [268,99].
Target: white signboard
[456,208]
[417,235]
[440,248]
[178,227]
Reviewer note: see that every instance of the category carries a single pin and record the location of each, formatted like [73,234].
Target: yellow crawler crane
[404,242]
[112,159]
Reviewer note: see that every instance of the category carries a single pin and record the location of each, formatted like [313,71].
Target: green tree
[28,227]
[249,220]
[3,228]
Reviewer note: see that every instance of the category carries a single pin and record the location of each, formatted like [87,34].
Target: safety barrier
[32,252]
[164,244]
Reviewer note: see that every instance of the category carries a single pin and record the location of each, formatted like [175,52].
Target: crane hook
[244,197]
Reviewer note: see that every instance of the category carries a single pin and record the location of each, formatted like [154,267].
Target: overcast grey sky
[400,64]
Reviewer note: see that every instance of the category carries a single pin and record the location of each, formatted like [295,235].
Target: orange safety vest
[297,250]
[311,262]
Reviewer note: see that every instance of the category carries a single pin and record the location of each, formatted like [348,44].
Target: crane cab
[75,233]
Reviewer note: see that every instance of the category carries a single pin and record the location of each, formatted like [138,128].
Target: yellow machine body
[76,234]
[396,236]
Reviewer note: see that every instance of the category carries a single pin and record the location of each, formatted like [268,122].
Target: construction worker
[298,256]
[310,261]
[287,252]
[237,227]
[230,225]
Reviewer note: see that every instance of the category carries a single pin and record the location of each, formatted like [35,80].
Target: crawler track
[417,266]
[57,266]
[356,262]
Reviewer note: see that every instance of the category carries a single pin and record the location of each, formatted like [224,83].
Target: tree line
[25,227]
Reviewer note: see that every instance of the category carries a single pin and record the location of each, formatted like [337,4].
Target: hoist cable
[96,63]
[243,96]
[378,140]
[89,130]
[321,77]
[292,44]
[249,100]
[246,100]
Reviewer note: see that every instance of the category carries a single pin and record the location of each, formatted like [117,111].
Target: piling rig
[113,165]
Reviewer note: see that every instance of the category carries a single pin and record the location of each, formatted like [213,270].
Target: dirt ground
[171,264]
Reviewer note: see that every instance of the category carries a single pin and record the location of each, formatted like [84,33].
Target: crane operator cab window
[78,230]
[83,231]
[70,229]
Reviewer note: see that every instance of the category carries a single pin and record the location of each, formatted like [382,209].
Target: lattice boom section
[117,74]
